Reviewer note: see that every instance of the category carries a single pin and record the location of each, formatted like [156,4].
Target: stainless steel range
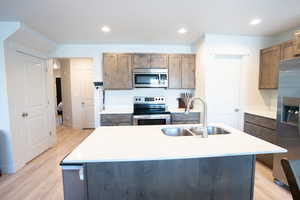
[150,111]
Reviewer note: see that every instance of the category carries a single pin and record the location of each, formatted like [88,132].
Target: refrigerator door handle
[299,120]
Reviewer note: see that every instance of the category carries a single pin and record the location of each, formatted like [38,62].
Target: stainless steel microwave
[150,78]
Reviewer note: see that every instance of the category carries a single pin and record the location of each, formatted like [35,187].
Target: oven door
[151,119]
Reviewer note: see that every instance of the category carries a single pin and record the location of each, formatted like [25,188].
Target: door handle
[82,103]
[24,114]
[236,110]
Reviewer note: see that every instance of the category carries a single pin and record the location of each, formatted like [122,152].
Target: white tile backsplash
[124,98]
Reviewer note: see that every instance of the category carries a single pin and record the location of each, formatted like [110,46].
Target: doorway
[75,92]
[223,90]
[58,93]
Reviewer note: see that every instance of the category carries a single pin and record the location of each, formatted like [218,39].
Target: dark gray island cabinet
[215,178]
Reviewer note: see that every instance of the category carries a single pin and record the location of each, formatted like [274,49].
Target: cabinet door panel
[117,70]
[269,61]
[297,43]
[109,68]
[124,70]
[182,118]
[116,119]
[263,133]
[262,121]
[159,61]
[141,60]
[188,71]
[175,71]
[287,50]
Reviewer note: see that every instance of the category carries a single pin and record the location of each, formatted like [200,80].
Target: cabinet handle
[81,174]
[23,114]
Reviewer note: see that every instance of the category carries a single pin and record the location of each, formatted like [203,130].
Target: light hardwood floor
[41,178]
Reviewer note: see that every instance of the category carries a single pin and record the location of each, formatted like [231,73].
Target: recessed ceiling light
[182,31]
[105,29]
[255,21]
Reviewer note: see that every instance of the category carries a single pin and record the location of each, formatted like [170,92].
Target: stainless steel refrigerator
[288,120]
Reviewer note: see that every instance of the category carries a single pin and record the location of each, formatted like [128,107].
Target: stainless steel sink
[193,131]
[176,131]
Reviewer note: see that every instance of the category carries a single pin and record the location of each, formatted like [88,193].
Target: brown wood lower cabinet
[263,128]
[116,119]
[181,118]
[126,119]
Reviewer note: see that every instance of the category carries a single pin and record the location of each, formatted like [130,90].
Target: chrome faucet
[204,120]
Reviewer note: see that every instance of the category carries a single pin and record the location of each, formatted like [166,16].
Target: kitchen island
[140,162]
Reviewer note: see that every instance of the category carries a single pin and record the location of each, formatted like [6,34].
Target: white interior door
[87,99]
[36,107]
[223,86]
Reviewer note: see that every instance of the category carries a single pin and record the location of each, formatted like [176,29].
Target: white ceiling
[149,21]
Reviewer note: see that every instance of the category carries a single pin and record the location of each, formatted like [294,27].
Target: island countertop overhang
[146,143]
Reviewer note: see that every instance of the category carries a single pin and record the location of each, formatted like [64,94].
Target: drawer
[263,133]
[181,118]
[252,129]
[260,121]
[116,119]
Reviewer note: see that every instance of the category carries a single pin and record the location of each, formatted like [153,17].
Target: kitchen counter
[145,143]
[181,110]
[271,114]
[129,110]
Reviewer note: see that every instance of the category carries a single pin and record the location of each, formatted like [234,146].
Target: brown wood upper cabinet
[117,70]
[141,60]
[175,71]
[188,71]
[150,60]
[182,71]
[159,61]
[287,50]
[269,61]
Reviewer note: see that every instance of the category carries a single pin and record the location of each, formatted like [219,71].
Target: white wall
[123,99]
[6,159]
[95,52]
[248,47]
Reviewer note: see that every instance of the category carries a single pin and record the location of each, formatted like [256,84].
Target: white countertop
[141,143]
[181,110]
[129,110]
[264,113]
